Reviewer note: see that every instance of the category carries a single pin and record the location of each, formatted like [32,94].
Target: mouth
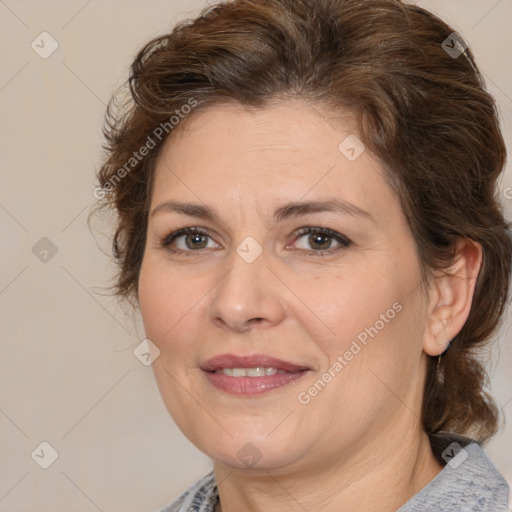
[251,375]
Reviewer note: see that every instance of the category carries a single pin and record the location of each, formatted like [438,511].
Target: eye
[321,240]
[187,240]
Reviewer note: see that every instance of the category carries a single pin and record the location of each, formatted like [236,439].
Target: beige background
[67,372]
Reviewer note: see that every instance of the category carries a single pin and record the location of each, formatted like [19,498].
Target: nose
[248,295]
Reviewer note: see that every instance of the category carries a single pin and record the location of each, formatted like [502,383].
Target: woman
[305,192]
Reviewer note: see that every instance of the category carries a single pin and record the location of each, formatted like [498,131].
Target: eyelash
[308,230]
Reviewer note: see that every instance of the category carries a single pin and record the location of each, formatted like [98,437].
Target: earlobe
[436,339]
[451,296]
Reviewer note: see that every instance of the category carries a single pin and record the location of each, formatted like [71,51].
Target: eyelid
[166,241]
[339,237]
[343,241]
[169,238]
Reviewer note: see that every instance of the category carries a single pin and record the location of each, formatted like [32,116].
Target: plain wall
[67,372]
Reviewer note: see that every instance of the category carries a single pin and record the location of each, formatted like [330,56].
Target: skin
[358,444]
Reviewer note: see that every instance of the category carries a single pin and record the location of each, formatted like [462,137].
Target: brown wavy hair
[422,111]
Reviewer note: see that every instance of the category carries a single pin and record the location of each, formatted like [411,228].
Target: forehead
[289,149]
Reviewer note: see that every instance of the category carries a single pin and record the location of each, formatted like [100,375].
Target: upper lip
[252,361]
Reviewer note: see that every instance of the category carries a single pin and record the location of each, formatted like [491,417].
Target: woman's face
[256,280]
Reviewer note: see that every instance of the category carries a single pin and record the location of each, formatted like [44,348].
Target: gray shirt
[469,482]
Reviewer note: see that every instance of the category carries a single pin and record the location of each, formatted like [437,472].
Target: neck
[380,476]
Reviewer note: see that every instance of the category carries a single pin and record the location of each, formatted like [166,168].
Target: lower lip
[249,386]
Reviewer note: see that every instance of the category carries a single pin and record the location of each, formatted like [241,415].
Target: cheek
[174,309]
[350,303]
[375,320]
[376,348]
[166,301]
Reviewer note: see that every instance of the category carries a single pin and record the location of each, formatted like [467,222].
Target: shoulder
[199,497]
[469,482]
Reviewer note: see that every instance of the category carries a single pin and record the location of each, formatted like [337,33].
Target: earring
[444,346]
[441,355]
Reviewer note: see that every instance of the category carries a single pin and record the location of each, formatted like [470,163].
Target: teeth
[259,371]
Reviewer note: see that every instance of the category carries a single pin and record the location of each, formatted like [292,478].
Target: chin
[246,450]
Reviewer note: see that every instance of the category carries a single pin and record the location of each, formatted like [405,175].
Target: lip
[249,386]
[252,361]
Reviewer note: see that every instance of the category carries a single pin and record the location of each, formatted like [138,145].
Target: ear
[451,296]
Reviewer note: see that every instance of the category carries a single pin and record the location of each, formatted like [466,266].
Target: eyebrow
[293,209]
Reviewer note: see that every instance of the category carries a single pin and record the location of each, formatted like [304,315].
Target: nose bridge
[247,291]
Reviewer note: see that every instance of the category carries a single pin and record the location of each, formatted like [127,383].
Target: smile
[258,371]
[250,375]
